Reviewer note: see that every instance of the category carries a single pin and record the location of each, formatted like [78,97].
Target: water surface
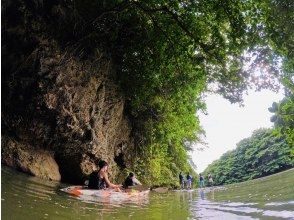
[26,197]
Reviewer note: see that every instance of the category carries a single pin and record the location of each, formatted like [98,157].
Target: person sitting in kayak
[99,179]
[131,180]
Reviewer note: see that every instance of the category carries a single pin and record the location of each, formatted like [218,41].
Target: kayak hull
[106,195]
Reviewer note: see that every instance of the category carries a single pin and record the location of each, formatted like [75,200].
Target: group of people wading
[187,182]
[99,179]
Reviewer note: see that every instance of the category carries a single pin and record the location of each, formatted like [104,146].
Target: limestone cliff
[61,112]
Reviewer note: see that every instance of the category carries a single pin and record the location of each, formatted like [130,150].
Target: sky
[226,124]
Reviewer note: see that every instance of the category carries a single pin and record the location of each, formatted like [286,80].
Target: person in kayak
[99,179]
[131,180]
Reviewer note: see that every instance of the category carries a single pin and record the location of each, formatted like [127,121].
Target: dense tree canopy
[262,154]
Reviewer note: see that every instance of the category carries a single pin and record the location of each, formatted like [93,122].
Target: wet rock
[55,101]
[39,163]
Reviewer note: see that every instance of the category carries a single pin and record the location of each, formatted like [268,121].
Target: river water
[25,197]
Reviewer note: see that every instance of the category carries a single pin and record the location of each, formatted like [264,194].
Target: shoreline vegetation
[277,187]
[244,191]
[263,153]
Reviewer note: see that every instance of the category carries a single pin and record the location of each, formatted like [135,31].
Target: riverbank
[275,188]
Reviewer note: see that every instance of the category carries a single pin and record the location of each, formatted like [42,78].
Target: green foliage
[283,119]
[262,154]
[274,188]
[280,30]
[166,54]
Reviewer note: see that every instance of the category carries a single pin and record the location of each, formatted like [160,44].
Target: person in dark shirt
[181,178]
[131,181]
[189,181]
[99,179]
[95,182]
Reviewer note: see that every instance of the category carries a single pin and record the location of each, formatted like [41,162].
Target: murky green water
[25,197]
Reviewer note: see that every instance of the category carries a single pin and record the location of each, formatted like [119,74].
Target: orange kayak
[106,195]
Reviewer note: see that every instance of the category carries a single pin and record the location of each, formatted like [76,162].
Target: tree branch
[178,21]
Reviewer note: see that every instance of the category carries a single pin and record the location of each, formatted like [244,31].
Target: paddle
[160,189]
[144,188]
[139,187]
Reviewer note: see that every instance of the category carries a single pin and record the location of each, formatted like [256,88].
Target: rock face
[60,114]
[33,161]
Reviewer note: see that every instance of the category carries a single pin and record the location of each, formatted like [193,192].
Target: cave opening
[119,160]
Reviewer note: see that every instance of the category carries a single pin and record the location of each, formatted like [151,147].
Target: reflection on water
[25,197]
[201,192]
[213,210]
[209,209]
[141,200]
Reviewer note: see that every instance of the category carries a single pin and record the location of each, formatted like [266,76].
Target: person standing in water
[99,179]
[189,181]
[201,180]
[210,180]
[181,178]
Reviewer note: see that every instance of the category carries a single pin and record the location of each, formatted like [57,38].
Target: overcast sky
[226,124]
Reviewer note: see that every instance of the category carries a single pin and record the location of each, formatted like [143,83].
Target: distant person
[131,180]
[181,178]
[201,180]
[210,180]
[99,179]
[189,181]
